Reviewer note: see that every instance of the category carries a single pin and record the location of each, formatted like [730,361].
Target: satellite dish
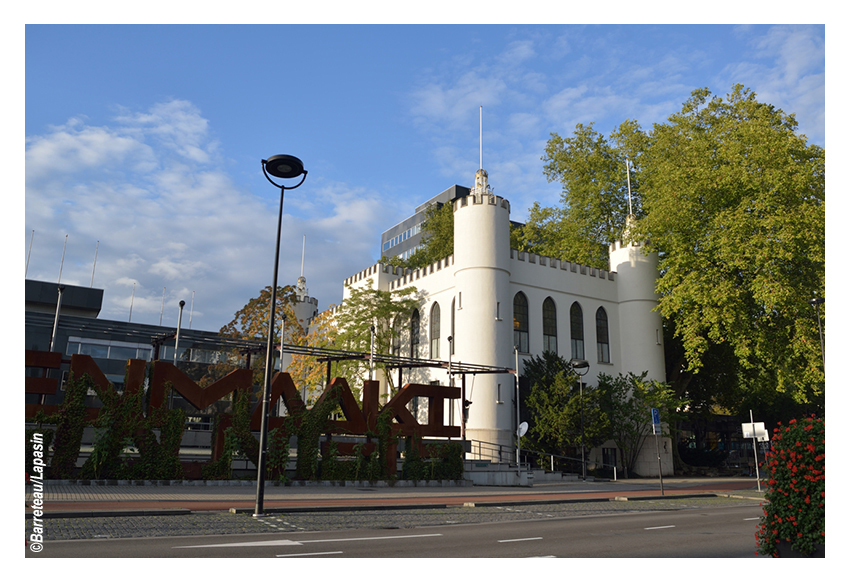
[523,428]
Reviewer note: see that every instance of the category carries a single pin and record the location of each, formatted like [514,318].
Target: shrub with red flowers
[795,502]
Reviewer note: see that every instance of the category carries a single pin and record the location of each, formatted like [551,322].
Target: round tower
[641,342]
[483,309]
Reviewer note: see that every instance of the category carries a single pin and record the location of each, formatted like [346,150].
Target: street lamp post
[285,167]
[575,365]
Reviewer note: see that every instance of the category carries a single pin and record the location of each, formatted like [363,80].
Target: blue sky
[146,141]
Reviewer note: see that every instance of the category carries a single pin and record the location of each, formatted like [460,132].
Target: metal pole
[516,380]
[132,298]
[94,264]
[62,263]
[372,352]
[264,422]
[451,382]
[176,344]
[177,335]
[56,319]
[755,451]
[581,415]
[658,454]
[29,252]
[463,406]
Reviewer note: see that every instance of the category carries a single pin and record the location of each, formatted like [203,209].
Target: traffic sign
[656,421]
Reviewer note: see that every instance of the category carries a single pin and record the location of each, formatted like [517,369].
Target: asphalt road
[693,528]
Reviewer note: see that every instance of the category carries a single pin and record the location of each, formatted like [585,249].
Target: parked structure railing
[525,453]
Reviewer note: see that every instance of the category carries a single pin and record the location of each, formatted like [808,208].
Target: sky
[143,143]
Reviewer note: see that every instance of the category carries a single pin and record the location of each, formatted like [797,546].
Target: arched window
[435,331]
[576,332]
[603,352]
[521,322]
[550,326]
[414,334]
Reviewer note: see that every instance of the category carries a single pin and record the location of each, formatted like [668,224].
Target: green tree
[365,308]
[627,401]
[595,197]
[556,409]
[252,322]
[307,371]
[731,196]
[437,239]
[733,201]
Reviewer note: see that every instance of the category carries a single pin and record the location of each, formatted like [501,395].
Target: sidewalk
[64,500]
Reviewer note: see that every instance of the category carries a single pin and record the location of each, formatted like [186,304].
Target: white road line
[301,555]
[660,527]
[370,539]
[292,543]
[519,540]
[268,543]
[751,518]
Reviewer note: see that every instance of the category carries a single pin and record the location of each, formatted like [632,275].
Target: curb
[245,483]
[383,507]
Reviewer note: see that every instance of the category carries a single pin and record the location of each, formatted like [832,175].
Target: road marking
[268,543]
[519,540]
[370,539]
[292,543]
[660,527]
[751,518]
[301,555]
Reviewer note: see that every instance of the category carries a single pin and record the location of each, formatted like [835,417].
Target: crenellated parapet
[474,198]
[559,265]
[411,276]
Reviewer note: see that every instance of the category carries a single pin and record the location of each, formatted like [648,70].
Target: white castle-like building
[490,298]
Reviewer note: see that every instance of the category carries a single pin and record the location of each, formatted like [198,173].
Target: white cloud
[150,191]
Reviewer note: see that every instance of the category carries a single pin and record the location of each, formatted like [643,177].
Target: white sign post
[757,432]
[656,430]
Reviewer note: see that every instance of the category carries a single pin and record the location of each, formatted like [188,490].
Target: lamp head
[580,367]
[284,166]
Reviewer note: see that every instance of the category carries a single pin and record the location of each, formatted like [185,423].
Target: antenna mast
[629,183]
[481,136]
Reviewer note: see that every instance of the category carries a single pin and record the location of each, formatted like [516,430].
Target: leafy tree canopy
[627,401]
[594,201]
[556,409]
[252,322]
[732,199]
[437,239]
[733,202]
[365,308]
